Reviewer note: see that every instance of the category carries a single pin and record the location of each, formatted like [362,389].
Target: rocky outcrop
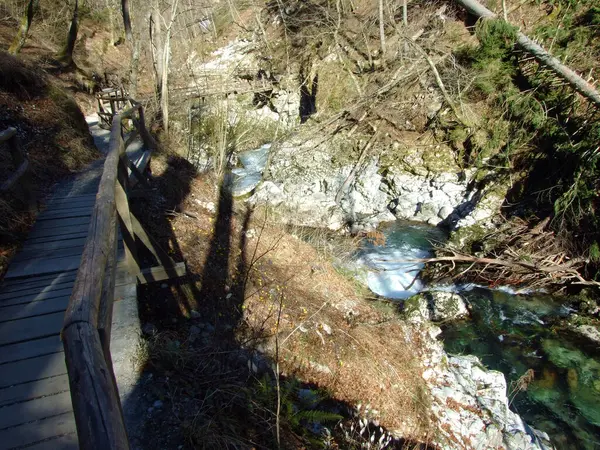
[468,401]
[438,306]
[306,177]
[304,180]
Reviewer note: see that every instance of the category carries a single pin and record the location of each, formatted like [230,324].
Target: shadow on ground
[201,387]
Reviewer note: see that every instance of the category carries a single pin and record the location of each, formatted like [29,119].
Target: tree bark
[543,57]
[126,20]
[134,68]
[66,55]
[21,37]
[381,29]
[157,50]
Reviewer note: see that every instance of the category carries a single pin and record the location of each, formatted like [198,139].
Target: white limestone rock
[468,401]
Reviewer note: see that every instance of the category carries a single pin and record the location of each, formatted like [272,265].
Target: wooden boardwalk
[35,402]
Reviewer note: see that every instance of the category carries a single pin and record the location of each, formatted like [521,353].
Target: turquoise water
[514,333]
[510,333]
[391,275]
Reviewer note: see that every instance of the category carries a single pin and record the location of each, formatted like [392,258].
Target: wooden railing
[111,101]
[21,174]
[87,323]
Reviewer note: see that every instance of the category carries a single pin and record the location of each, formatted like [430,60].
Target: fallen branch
[545,58]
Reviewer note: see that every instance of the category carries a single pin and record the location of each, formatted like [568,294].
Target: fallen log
[538,52]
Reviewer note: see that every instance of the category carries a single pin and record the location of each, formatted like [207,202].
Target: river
[508,332]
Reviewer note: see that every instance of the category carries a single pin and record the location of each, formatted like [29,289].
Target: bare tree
[381,29]
[19,40]
[111,20]
[134,48]
[126,20]
[66,54]
[161,53]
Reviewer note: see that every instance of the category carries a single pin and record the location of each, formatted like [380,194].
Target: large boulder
[468,402]
[436,306]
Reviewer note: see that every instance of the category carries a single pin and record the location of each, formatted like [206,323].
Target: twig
[303,322]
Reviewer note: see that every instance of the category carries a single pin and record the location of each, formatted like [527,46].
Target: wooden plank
[63,222]
[34,389]
[27,254]
[58,197]
[64,442]
[35,291]
[52,433]
[32,369]
[36,409]
[66,213]
[30,328]
[33,309]
[20,284]
[44,240]
[37,267]
[59,231]
[83,199]
[38,297]
[64,206]
[79,241]
[161,273]
[30,349]
[41,288]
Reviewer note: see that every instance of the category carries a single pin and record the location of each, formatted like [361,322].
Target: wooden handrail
[87,322]
[86,327]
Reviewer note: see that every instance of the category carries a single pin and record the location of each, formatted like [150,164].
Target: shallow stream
[510,333]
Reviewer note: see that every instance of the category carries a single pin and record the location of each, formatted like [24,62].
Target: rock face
[468,401]
[438,306]
[304,182]
[306,177]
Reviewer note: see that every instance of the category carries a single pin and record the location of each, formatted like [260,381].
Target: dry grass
[288,294]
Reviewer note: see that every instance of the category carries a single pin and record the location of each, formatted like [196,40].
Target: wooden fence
[111,101]
[87,323]
[22,173]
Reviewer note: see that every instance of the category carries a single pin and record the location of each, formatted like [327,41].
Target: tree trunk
[126,20]
[381,29]
[21,37]
[404,13]
[134,68]
[164,88]
[111,19]
[543,57]
[66,55]
[157,50]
